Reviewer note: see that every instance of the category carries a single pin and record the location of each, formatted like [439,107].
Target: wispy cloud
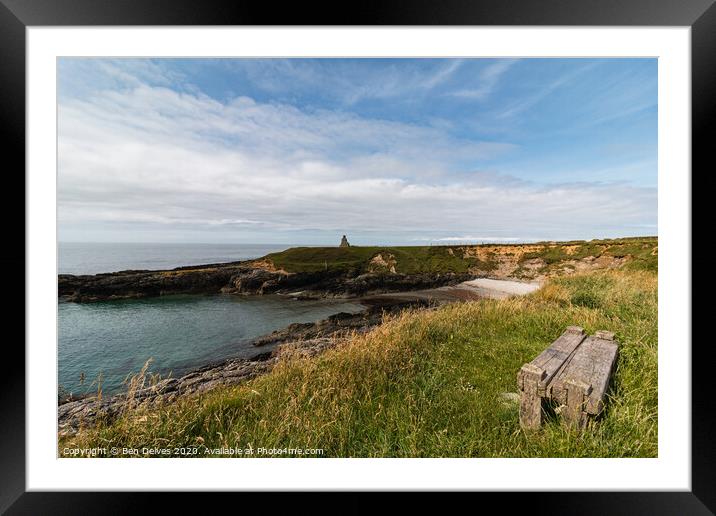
[526,103]
[393,83]
[488,80]
[349,82]
[442,74]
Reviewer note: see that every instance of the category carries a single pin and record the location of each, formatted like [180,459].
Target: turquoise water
[179,333]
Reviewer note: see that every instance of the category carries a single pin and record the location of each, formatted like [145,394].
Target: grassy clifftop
[521,260]
[438,383]
[405,260]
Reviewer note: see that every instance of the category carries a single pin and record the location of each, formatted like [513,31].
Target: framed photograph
[443,249]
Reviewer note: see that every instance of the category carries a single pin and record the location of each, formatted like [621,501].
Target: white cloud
[488,80]
[442,74]
[150,156]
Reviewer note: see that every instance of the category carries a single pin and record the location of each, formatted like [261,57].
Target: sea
[100,344]
[94,258]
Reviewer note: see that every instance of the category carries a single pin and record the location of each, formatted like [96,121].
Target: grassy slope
[430,384]
[410,260]
[414,259]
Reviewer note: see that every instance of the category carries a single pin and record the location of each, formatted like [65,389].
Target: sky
[386,151]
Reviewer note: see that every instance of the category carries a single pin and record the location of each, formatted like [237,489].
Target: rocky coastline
[246,278]
[300,339]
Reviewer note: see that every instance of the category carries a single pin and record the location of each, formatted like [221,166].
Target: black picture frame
[17,15]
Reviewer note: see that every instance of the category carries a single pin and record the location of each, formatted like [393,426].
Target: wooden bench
[574,372]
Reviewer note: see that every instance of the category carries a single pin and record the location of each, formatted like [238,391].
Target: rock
[254,280]
[383,262]
[509,400]
[344,242]
[511,397]
[338,325]
[137,284]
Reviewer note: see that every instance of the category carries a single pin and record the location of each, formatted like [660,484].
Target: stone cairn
[344,242]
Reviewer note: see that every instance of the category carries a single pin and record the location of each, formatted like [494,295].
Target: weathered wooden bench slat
[551,359]
[592,364]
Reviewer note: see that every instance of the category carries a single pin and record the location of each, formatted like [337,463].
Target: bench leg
[530,409]
[530,399]
[574,414]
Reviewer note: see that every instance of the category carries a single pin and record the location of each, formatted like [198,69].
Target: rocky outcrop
[341,324]
[245,278]
[383,262]
[137,284]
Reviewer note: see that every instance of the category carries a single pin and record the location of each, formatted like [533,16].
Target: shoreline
[302,339]
[471,290]
[247,278]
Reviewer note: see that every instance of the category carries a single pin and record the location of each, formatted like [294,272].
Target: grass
[640,253]
[409,259]
[430,383]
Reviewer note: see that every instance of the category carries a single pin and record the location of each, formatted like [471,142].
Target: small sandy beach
[467,291]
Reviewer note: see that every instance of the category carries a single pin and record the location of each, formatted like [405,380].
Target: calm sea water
[179,333]
[93,258]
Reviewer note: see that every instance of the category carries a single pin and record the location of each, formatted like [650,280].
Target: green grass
[430,384]
[433,259]
[409,259]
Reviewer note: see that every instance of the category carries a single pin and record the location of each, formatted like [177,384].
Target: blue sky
[402,151]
